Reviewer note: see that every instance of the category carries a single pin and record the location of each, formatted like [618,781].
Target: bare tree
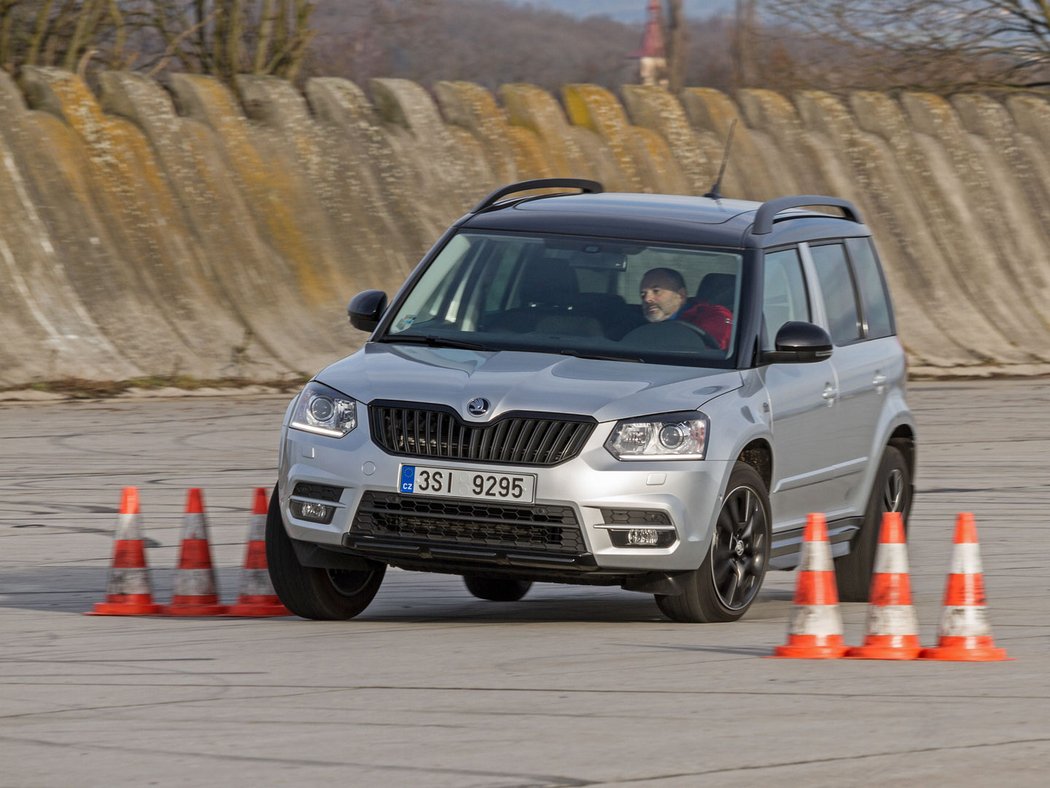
[937,45]
[677,36]
[224,37]
[242,36]
[60,32]
[363,39]
[744,44]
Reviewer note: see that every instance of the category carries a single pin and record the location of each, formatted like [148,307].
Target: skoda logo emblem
[478,406]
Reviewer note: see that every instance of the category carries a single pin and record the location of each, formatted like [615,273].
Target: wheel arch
[903,439]
[759,455]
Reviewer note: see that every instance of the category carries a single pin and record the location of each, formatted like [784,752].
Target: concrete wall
[147,231]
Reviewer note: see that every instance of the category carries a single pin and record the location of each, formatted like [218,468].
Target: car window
[517,291]
[878,316]
[836,284]
[784,293]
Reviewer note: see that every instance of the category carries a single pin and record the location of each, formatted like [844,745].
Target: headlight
[672,436]
[324,411]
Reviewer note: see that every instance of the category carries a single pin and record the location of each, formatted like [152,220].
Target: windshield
[594,298]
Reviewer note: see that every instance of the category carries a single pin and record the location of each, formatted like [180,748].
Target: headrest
[548,280]
[717,289]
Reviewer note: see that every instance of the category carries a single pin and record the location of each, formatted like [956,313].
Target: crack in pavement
[834,759]
[568,690]
[534,779]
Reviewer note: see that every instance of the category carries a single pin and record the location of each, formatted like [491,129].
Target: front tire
[891,493]
[310,592]
[497,589]
[728,581]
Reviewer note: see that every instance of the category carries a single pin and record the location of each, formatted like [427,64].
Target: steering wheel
[671,332]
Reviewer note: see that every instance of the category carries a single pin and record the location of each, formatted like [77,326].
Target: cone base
[883,652]
[809,652]
[194,610]
[963,654]
[125,609]
[257,610]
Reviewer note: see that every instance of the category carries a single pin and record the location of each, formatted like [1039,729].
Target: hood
[520,381]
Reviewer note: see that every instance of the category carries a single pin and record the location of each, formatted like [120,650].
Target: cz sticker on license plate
[460,483]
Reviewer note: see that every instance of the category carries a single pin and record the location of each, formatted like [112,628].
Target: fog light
[643,537]
[313,512]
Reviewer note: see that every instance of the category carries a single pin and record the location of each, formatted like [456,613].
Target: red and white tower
[652,57]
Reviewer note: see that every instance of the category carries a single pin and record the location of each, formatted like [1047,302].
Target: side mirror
[366,309]
[799,343]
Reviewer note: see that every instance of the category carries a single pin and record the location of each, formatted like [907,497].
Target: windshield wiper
[432,341]
[599,356]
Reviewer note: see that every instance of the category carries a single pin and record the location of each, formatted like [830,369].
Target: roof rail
[587,187]
[768,211]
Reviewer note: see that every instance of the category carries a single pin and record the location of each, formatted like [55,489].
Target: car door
[859,365]
[798,407]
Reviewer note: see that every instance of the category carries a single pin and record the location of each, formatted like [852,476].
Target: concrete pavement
[431,687]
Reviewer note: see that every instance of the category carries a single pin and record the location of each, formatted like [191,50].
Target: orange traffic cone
[815,631]
[128,589]
[893,629]
[965,634]
[196,592]
[257,597]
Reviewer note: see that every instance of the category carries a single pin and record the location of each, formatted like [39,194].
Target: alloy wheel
[738,549]
[893,492]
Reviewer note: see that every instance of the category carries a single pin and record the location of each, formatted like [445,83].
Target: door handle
[830,393]
[879,382]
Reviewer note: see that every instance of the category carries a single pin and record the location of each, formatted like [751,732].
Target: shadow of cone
[893,629]
[196,592]
[128,589]
[257,596]
[965,634]
[815,631]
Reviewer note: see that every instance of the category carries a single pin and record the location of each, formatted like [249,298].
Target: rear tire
[497,589]
[310,592]
[728,581]
[890,493]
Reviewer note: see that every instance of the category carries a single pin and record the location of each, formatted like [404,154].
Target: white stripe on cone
[816,557]
[194,582]
[892,620]
[194,526]
[820,620]
[128,580]
[128,527]
[966,559]
[965,621]
[257,528]
[256,582]
[891,558]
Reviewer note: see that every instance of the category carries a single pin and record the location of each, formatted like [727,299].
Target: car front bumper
[445,533]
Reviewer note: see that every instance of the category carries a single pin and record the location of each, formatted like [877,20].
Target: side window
[840,300]
[784,293]
[873,293]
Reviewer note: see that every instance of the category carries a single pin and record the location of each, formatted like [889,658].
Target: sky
[627,10]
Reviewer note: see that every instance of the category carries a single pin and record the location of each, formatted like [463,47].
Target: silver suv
[647,391]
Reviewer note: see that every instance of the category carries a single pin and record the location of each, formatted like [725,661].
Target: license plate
[458,483]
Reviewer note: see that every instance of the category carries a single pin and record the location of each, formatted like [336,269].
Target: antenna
[715,193]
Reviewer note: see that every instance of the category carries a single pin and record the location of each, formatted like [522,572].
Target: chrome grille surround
[434,432]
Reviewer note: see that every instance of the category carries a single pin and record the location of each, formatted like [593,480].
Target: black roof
[669,218]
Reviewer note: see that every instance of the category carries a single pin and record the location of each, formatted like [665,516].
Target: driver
[664,298]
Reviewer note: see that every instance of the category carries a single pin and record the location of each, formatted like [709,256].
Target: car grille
[513,439]
[495,526]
